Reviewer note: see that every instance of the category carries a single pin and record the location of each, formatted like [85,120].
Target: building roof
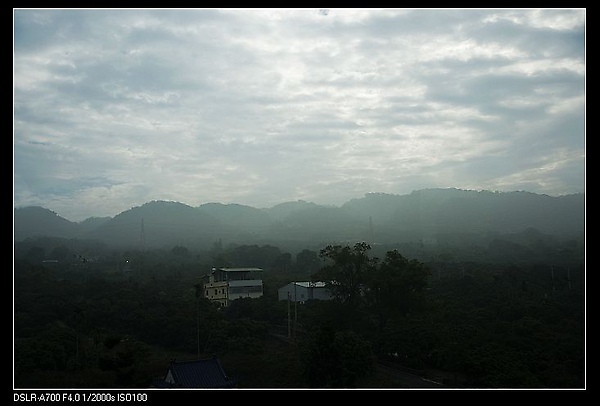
[238,269]
[200,373]
[309,284]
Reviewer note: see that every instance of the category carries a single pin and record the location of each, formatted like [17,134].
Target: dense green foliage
[99,318]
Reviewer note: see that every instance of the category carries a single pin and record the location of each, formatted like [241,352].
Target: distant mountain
[284,210]
[156,224]
[323,223]
[432,211]
[90,224]
[385,218]
[238,215]
[35,221]
[243,223]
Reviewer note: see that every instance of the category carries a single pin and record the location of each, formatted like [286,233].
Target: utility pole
[289,317]
[198,296]
[295,311]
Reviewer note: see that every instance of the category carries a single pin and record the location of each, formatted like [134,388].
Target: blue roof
[200,373]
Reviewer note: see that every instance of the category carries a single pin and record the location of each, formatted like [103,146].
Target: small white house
[303,291]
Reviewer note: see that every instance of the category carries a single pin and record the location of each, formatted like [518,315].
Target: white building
[303,291]
[223,285]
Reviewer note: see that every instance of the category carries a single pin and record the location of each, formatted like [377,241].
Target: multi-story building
[223,285]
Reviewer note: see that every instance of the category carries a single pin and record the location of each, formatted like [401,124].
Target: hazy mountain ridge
[155,224]
[36,221]
[376,217]
[283,210]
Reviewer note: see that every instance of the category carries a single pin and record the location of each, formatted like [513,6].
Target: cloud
[114,108]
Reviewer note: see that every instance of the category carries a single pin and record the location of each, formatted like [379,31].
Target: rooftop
[311,284]
[199,373]
[238,269]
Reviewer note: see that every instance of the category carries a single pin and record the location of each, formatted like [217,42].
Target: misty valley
[461,289]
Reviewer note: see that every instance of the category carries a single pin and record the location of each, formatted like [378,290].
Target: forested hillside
[105,318]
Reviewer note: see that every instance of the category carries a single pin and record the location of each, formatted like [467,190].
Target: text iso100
[132,397]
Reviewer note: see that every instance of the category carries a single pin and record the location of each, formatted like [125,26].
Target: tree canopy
[362,283]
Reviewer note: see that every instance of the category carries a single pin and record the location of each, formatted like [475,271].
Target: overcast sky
[116,108]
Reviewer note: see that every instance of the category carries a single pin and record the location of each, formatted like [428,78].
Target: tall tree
[395,285]
[345,273]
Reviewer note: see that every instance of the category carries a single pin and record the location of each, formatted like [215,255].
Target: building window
[245,289]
